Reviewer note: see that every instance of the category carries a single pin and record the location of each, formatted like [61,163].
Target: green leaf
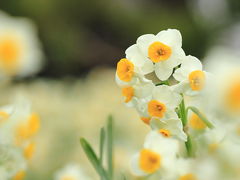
[201,116]
[101,146]
[110,146]
[93,159]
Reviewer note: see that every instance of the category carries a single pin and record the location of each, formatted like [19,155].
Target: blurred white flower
[71,172]
[20,50]
[12,161]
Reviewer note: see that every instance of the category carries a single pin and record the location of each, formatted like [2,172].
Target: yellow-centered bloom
[164,50]
[192,79]
[125,70]
[156,108]
[149,161]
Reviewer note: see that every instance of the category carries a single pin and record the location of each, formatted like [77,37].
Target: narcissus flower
[163,103]
[133,66]
[71,172]
[164,50]
[158,154]
[141,89]
[169,128]
[20,50]
[192,78]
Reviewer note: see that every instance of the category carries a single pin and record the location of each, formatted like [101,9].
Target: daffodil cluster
[194,115]
[18,127]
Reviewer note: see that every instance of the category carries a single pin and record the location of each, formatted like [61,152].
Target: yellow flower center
[149,161]
[156,109]
[27,129]
[125,70]
[165,132]
[197,80]
[29,150]
[128,92]
[19,176]
[146,120]
[188,177]
[3,116]
[158,51]
[196,122]
[9,53]
[233,96]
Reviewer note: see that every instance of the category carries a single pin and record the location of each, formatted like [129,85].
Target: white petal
[171,37]
[141,62]
[144,41]
[135,166]
[165,95]
[163,72]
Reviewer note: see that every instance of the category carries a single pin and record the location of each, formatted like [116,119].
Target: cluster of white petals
[193,114]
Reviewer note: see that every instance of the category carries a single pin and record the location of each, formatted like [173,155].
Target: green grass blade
[110,146]
[93,159]
[101,145]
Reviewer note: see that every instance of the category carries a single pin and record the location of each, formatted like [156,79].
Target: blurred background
[82,41]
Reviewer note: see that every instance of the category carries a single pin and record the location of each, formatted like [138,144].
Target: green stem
[163,83]
[189,146]
[183,116]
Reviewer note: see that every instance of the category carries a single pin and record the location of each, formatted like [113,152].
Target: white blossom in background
[18,127]
[20,49]
[71,172]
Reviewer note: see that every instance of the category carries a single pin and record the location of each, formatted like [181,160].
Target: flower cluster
[193,114]
[18,126]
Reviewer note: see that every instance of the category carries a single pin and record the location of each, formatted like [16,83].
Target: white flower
[192,78]
[169,128]
[225,65]
[20,52]
[158,154]
[71,172]
[163,103]
[132,67]
[141,89]
[164,49]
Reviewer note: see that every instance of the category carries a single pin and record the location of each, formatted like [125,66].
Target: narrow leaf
[101,146]
[110,146]
[93,159]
